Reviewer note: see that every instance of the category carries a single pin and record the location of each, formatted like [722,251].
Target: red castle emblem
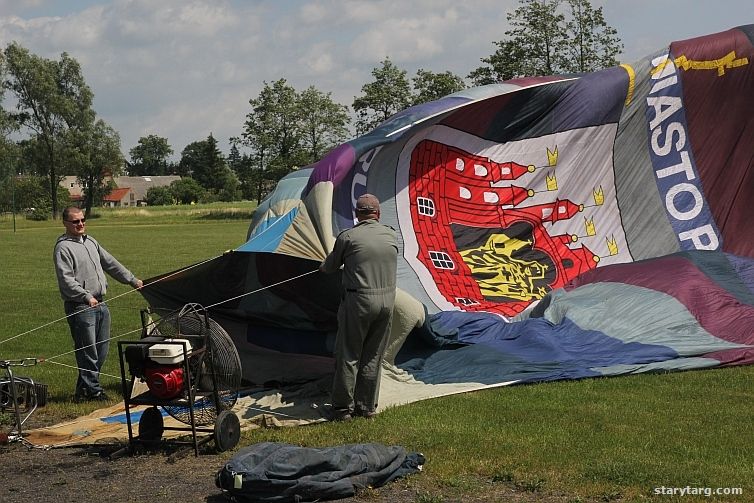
[485,249]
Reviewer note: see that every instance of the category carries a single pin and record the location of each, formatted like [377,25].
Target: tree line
[284,129]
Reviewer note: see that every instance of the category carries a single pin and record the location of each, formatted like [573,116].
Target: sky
[184,69]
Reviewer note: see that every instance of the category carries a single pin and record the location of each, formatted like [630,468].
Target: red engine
[164,382]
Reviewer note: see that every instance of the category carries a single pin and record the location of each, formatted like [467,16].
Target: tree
[234,159]
[159,196]
[287,153]
[31,194]
[539,27]
[186,190]
[9,166]
[150,156]
[8,150]
[324,123]
[389,93]
[99,155]
[259,134]
[538,37]
[229,189]
[28,192]
[502,65]
[594,44]
[192,156]
[542,41]
[205,163]
[243,167]
[53,101]
[273,134]
[247,178]
[430,86]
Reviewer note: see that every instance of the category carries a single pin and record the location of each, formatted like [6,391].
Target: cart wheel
[151,425]
[227,430]
[41,392]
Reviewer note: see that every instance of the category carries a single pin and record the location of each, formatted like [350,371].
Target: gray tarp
[278,472]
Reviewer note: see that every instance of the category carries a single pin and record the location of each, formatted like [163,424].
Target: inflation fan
[186,365]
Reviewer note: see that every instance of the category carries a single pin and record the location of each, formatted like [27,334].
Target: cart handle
[24,362]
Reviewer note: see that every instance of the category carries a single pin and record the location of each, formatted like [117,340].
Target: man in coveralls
[368,253]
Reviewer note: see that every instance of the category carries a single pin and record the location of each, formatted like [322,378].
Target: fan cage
[215,372]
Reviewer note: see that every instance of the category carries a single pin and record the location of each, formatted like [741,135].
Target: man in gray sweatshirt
[80,266]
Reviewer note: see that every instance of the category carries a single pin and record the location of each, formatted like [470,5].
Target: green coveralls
[369,254]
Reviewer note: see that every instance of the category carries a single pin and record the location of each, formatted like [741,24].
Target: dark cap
[367,204]
[366,208]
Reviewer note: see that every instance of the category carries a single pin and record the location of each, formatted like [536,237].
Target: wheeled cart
[179,375]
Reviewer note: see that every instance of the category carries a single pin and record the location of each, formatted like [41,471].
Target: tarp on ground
[278,472]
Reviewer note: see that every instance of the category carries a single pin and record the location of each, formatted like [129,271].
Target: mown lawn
[611,439]
[148,242]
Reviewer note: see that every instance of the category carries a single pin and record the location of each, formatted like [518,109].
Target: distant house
[130,191]
[118,198]
[141,184]
[71,184]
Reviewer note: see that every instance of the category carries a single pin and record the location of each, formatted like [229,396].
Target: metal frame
[189,394]
[18,393]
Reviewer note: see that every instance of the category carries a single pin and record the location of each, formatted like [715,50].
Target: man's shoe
[366,414]
[332,414]
[100,396]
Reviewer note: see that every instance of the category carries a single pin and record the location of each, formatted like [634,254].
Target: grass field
[611,439]
[148,242]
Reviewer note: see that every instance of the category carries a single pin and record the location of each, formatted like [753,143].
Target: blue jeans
[90,329]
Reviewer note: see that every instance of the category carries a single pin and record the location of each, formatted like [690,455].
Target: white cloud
[184,68]
[149,63]
[366,11]
[81,31]
[199,18]
[313,13]
[408,38]
[14,28]
[318,59]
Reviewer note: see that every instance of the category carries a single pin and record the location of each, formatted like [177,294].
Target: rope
[93,344]
[50,359]
[145,286]
[79,369]
[139,329]
[260,289]
[109,300]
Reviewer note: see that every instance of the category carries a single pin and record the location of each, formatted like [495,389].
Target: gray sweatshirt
[80,265]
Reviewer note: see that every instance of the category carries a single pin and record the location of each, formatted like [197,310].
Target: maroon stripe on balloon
[718,103]
[716,310]
[740,356]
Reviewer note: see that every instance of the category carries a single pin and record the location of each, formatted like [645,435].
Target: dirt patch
[109,472]
[77,474]
[86,474]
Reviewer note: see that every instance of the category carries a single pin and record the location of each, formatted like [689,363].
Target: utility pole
[13,198]
[13,159]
